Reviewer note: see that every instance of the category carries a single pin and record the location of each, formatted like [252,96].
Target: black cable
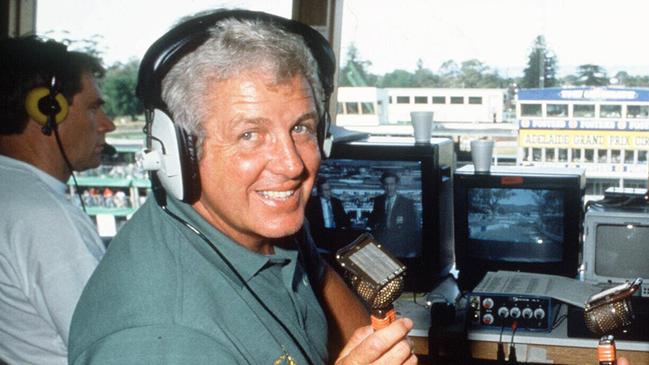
[69,165]
[245,284]
[500,353]
[512,347]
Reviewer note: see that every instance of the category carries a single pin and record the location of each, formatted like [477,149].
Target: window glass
[536,154]
[475,100]
[549,154]
[421,100]
[339,108]
[576,155]
[557,110]
[610,111]
[403,99]
[367,108]
[531,110]
[457,100]
[628,156]
[563,154]
[637,111]
[352,107]
[583,111]
[616,156]
[589,155]
[439,100]
[642,157]
[601,156]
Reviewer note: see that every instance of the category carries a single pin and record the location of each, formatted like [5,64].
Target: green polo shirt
[162,295]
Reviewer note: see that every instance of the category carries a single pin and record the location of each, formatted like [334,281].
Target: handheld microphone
[376,275]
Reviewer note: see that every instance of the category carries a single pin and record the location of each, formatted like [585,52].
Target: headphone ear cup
[40,104]
[178,171]
[189,163]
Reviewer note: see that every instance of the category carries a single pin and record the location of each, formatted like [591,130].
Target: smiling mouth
[277,195]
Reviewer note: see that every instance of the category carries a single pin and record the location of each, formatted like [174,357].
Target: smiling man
[48,246]
[221,270]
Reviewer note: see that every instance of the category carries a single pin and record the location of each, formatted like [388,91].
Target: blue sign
[585,94]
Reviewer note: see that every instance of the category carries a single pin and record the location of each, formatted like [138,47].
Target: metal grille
[609,317]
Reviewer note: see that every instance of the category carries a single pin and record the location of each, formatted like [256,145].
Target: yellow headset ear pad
[31,105]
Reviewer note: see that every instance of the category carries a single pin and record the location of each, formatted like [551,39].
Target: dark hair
[387,174]
[29,62]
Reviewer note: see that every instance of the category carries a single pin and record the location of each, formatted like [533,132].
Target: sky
[395,34]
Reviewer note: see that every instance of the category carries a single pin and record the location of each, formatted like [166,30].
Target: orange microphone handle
[606,353]
[381,319]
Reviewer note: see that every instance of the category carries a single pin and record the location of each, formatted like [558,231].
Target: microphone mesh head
[608,317]
[379,297]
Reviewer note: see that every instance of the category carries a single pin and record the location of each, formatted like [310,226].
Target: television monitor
[419,229]
[517,218]
[616,245]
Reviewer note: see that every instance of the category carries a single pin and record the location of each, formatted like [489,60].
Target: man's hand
[389,345]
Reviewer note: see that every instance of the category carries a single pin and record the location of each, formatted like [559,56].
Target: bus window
[339,108]
[616,156]
[526,154]
[531,110]
[557,110]
[637,111]
[589,154]
[457,100]
[536,154]
[563,154]
[610,111]
[583,111]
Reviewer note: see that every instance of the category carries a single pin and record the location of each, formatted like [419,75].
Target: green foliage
[355,72]
[541,70]
[591,75]
[118,87]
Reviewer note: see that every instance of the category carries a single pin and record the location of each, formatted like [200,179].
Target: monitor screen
[516,225]
[517,218]
[380,197]
[622,250]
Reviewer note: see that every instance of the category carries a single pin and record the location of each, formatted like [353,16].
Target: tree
[118,87]
[398,78]
[424,77]
[355,71]
[591,75]
[541,70]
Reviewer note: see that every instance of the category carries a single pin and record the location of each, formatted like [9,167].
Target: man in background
[326,215]
[393,219]
[52,123]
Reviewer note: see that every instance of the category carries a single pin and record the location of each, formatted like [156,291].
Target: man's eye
[301,128]
[247,136]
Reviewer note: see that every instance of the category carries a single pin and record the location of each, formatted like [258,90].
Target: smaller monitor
[616,245]
[518,219]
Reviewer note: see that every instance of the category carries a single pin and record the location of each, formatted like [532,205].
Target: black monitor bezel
[472,270]
[424,271]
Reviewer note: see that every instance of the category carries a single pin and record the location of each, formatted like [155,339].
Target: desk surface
[538,347]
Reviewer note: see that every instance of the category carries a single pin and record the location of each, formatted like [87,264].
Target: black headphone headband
[191,34]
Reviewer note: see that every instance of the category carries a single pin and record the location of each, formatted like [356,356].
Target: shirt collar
[247,263]
[53,183]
